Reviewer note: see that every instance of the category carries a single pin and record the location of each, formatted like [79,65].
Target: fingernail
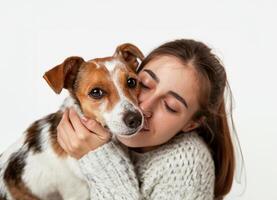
[92,122]
[84,119]
[72,110]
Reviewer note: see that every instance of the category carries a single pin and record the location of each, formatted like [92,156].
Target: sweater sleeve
[110,173]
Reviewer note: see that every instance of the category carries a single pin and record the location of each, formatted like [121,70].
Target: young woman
[186,152]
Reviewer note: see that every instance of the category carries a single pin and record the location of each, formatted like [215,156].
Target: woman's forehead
[172,71]
[164,61]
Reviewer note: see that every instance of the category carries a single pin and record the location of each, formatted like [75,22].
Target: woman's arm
[110,173]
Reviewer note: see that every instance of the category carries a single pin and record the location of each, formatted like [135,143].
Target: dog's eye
[97,93]
[131,82]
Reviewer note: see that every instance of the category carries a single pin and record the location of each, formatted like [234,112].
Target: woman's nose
[147,106]
[147,114]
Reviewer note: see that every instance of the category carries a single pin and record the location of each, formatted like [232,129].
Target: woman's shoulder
[191,144]
[188,148]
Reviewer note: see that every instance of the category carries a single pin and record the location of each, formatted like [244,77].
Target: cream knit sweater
[180,169]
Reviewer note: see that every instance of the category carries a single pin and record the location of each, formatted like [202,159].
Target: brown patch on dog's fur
[13,177]
[3,197]
[32,137]
[34,133]
[130,93]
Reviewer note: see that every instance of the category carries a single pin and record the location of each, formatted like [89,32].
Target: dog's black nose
[133,119]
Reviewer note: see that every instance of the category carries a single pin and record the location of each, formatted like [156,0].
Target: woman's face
[168,99]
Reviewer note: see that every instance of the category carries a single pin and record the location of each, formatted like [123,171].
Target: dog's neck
[71,102]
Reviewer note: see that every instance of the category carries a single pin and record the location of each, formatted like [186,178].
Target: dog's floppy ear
[130,53]
[63,75]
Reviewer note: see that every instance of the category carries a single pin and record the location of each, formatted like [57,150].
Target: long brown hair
[214,127]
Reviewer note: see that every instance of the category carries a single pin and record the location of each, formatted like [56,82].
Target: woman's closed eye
[169,108]
[143,86]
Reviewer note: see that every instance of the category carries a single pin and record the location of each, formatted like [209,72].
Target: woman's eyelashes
[143,86]
[168,108]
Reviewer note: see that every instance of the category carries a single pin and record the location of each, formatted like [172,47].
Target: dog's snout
[133,119]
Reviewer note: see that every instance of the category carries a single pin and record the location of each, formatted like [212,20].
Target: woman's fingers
[97,128]
[80,130]
[83,140]
[85,126]
[77,137]
[66,133]
[60,140]
[75,120]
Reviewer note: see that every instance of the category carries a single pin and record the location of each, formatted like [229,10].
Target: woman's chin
[136,140]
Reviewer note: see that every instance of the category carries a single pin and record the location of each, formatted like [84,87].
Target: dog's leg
[75,191]
[20,192]
[3,197]
[54,196]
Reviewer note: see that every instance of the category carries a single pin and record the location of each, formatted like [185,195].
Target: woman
[186,153]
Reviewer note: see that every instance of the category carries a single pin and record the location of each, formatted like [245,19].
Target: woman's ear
[193,124]
[190,126]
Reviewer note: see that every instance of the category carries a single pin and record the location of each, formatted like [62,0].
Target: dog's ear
[63,75]
[130,53]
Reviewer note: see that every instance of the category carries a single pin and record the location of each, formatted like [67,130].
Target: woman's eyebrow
[152,74]
[179,98]
[174,94]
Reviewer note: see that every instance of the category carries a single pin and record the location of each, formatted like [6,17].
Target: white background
[37,35]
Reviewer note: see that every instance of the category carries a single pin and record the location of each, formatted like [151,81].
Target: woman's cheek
[164,122]
[173,123]
[165,132]
[145,94]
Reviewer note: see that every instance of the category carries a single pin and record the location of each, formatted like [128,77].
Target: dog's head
[106,89]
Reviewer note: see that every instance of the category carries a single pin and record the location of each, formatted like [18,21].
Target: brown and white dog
[106,89]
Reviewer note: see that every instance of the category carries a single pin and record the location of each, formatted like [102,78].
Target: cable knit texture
[180,169]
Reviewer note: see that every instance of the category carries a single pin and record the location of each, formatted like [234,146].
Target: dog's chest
[51,174]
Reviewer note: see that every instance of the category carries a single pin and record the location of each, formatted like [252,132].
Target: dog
[106,89]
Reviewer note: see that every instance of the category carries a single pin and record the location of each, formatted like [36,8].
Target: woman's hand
[79,136]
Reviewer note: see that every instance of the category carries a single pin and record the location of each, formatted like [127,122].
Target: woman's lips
[146,126]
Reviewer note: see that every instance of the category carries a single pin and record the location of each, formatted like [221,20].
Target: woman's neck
[143,149]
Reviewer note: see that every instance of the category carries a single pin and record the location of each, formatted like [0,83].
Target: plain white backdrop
[37,35]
